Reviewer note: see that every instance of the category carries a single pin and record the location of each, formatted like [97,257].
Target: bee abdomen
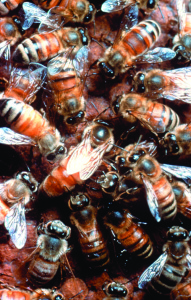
[41,271]
[141,37]
[171,275]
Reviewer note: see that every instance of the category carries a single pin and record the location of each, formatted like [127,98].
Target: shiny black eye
[58,297]
[133,158]
[61,150]
[106,70]
[75,119]
[121,161]
[140,87]
[117,290]
[56,230]
[51,156]
[151,4]
[88,18]
[172,137]
[177,235]
[116,105]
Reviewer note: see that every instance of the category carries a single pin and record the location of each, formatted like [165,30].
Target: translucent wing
[32,14]
[54,19]
[9,137]
[80,61]
[85,160]
[153,271]
[180,5]
[188,256]
[152,200]
[5,57]
[158,54]
[15,223]
[114,5]
[177,171]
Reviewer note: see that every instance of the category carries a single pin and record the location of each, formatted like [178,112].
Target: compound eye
[177,235]
[139,82]
[75,119]
[151,4]
[88,18]
[58,297]
[106,70]
[51,156]
[172,137]
[61,150]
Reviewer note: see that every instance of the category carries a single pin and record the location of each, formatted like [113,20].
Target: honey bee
[155,116]
[8,5]
[66,86]
[77,11]
[51,246]
[129,234]
[177,142]
[182,291]
[171,84]
[130,49]
[183,198]
[92,242]
[170,268]
[12,294]
[115,290]
[24,84]
[14,195]
[112,5]
[39,48]
[28,126]
[81,162]
[182,40]
[145,169]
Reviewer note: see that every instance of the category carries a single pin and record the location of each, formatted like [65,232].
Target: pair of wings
[179,172]
[84,159]
[155,269]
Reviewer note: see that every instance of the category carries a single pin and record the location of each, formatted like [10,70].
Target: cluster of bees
[46,67]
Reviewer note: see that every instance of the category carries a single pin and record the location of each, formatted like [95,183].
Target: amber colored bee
[51,245]
[183,198]
[43,46]
[7,5]
[30,125]
[170,268]
[145,169]
[111,5]
[9,30]
[171,84]
[13,294]
[78,11]
[129,234]
[182,291]
[155,116]
[14,195]
[66,86]
[81,162]
[92,242]
[115,290]
[177,142]
[24,84]
[130,49]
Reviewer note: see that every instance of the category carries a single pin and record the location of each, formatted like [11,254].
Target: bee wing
[85,160]
[152,200]
[15,223]
[114,5]
[9,137]
[80,61]
[188,256]
[155,55]
[32,14]
[180,5]
[181,172]
[54,19]
[5,57]
[153,271]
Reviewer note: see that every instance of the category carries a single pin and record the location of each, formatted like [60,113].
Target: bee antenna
[140,137]
[76,295]
[97,42]
[120,148]
[161,11]
[101,112]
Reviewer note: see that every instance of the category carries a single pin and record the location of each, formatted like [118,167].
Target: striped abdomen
[41,271]
[140,38]
[171,275]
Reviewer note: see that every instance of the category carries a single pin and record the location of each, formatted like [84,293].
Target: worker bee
[130,49]
[176,143]
[183,198]
[14,195]
[92,242]
[155,116]
[66,85]
[77,11]
[8,5]
[115,290]
[51,246]
[145,169]
[129,234]
[39,48]
[28,126]
[112,5]
[182,40]
[24,84]
[182,291]
[171,84]
[81,162]
[170,268]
